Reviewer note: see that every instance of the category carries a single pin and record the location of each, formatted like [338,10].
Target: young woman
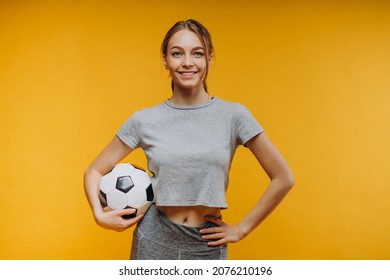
[189,140]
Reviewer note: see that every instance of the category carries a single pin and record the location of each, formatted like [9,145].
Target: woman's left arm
[281,183]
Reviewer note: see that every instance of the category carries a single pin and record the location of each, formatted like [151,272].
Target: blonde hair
[203,34]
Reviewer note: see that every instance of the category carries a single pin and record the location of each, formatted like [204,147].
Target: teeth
[187,73]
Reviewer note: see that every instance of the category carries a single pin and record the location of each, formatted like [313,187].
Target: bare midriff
[189,215]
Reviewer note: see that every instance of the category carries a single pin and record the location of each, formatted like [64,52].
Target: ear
[165,61]
[210,59]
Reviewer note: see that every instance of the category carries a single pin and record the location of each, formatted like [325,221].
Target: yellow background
[316,74]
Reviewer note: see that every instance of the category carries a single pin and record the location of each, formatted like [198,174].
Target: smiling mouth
[187,73]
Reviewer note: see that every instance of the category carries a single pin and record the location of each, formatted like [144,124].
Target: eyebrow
[193,49]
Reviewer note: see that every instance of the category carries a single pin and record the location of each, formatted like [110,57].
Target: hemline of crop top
[190,148]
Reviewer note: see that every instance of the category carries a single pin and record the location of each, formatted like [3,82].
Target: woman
[189,140]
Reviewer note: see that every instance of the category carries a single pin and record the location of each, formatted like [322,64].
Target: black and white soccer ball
[126,186]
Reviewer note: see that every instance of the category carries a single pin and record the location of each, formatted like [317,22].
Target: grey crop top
[190,148]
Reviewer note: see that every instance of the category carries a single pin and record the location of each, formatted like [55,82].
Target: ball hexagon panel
[116,199]
[123,169]
[136,197]
[140,178]
[108,182]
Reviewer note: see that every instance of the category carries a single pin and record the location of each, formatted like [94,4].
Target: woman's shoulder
[149,110]
[233,106]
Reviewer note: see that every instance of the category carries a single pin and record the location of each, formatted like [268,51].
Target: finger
[127,223]
[216,242]
[214,220]
[213,236]
[137,218]
[211,230]
[125,212]
[133,221]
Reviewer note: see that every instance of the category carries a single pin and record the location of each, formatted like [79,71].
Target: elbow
[287,182]
[87,172]
[290,182]
[90,170]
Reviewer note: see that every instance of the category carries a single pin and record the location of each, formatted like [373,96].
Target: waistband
[155,225]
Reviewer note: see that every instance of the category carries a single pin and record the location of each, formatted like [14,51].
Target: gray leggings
[156,237]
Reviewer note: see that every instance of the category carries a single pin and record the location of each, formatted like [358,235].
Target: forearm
[274,194]
[91,188]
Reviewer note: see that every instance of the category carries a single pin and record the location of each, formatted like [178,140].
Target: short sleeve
[245,125]
[129,132]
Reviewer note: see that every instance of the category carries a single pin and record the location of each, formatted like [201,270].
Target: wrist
[242,232]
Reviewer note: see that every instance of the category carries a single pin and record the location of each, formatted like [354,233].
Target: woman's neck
[189,97]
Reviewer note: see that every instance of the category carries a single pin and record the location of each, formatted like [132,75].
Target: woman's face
[186,60]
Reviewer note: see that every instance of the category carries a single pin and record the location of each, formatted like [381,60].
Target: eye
[198,54]
[176,54]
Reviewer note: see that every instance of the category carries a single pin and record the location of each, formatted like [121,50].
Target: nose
[187,62]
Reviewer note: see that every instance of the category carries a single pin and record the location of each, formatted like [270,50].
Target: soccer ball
[126,186]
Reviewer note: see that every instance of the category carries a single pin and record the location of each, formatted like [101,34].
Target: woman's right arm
[113,153]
